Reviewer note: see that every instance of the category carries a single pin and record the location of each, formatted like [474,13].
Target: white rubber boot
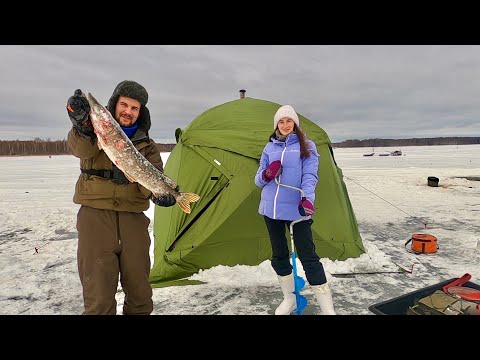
[324,298]
[289,302]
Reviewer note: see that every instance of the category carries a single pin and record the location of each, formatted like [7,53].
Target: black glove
[165,200]
[78,111]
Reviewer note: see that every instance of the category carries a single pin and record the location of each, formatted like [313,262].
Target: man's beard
[125,119]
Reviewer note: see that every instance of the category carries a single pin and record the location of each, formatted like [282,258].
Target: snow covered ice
[389,195]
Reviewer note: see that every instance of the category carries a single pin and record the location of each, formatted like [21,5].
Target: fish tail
[184,200]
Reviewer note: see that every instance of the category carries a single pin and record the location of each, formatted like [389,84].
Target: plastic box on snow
[400,304]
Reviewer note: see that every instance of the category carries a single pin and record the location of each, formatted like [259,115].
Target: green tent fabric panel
[195,175]
[218,211]
[333,220]
[168,269]
[215,159]
[176,282]
[211,172]
[212,239]
[230,244]
[172,264]
[245,217]
[357,239]
[198,175]
[241,126]
[239,239]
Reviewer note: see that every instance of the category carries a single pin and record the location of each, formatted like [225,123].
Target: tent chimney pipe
[242,94]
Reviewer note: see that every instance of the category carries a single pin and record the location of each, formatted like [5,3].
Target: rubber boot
[289,302]
[324,298]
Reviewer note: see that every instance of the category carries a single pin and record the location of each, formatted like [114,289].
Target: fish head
[102,121]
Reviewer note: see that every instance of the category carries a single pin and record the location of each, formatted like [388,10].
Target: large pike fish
[121,151]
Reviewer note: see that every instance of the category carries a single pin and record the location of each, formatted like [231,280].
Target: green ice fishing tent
[217,156]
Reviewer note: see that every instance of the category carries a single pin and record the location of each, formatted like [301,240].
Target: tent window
[214,178]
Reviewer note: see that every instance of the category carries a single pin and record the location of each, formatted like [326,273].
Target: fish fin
[184,200]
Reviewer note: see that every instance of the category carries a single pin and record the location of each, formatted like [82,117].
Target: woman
[293,159]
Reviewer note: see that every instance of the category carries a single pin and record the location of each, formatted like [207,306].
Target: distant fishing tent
[217,156]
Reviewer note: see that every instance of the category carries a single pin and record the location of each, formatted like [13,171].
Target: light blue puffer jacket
[278,202]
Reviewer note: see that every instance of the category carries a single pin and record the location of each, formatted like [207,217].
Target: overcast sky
[352,91]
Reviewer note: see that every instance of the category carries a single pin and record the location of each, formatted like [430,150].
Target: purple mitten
[305,207]
[272,170]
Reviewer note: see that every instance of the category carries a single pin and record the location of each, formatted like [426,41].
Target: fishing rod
[388,202]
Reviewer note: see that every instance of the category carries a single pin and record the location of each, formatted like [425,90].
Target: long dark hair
[302,139]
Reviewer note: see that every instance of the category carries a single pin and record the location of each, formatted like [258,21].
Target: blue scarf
[129,131]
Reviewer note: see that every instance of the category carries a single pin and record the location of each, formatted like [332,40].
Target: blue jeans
[305,249]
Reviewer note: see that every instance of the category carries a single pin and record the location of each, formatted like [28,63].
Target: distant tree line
[33,147]
[59,147]
[407,142]
[165,147]
[47,147]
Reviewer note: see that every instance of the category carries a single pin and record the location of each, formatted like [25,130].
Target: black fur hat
[133,90]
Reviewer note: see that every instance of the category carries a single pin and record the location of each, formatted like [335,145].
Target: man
[113,235]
